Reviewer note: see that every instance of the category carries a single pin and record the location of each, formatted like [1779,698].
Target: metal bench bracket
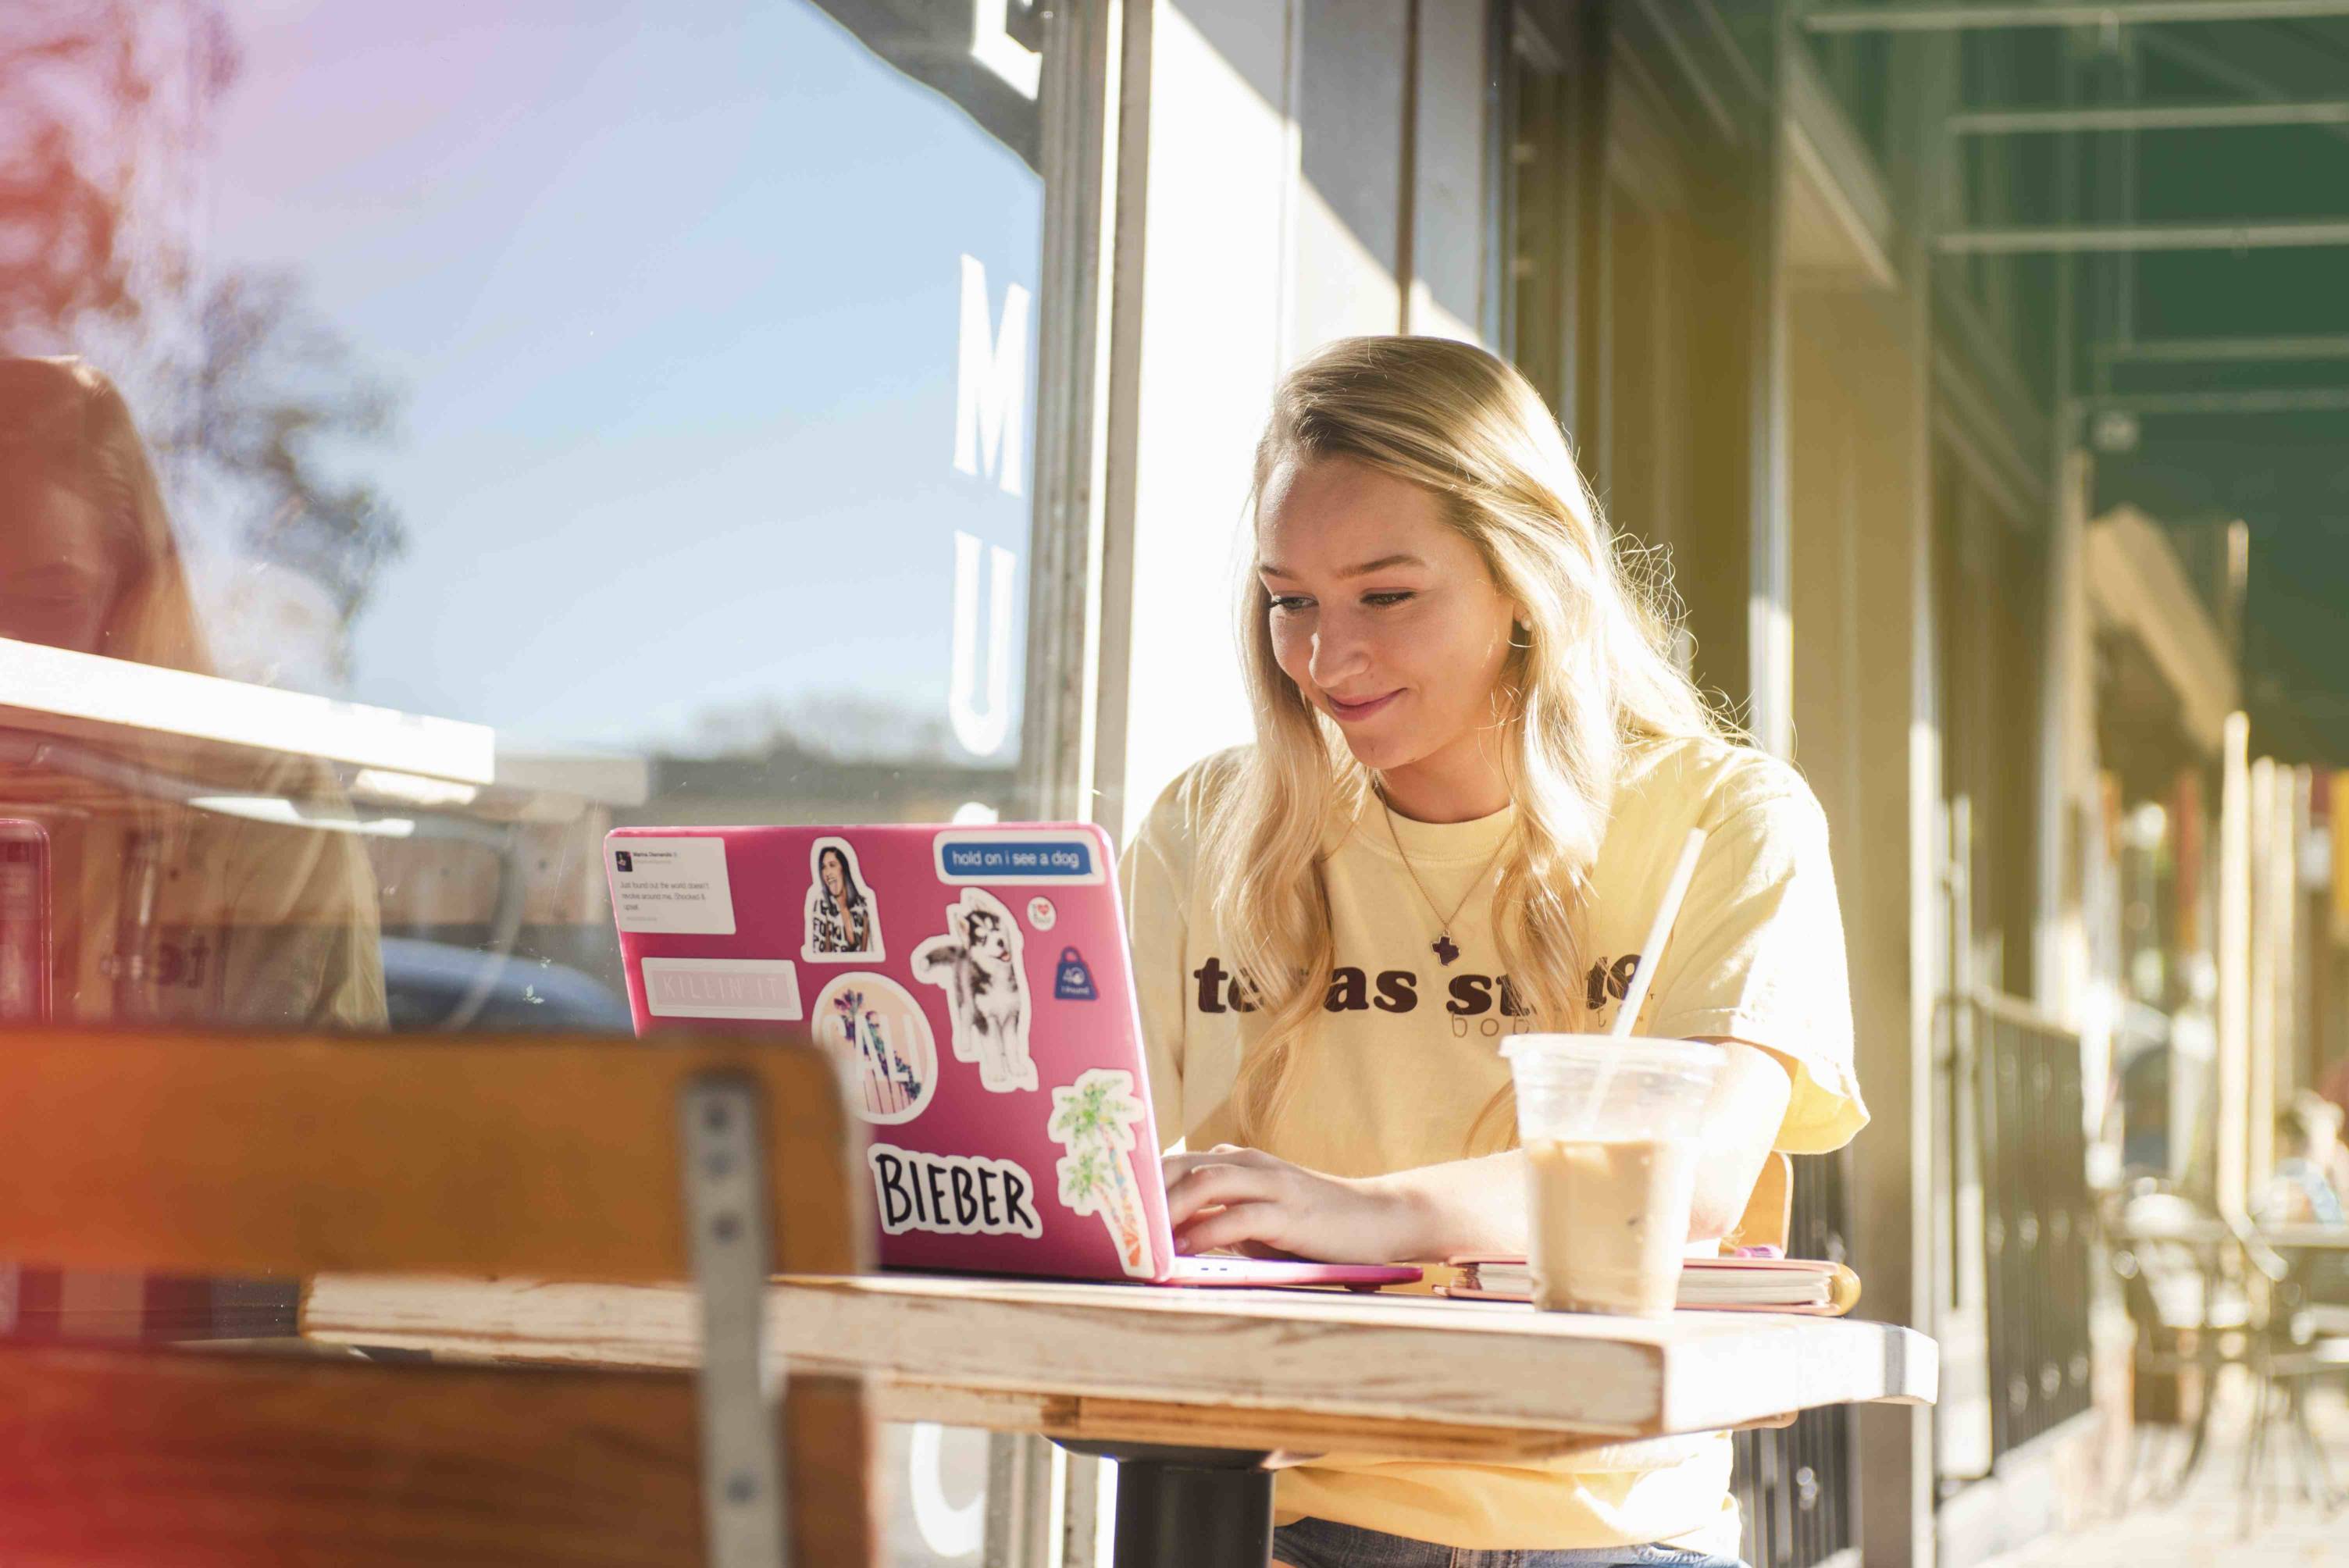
[724,1177]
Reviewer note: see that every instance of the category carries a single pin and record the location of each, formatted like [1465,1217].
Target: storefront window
[655,392]
[435,434]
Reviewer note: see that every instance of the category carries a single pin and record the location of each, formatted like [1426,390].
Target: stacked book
[1718,1285]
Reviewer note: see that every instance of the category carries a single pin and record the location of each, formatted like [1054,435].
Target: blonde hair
[62,421]
[1594,672]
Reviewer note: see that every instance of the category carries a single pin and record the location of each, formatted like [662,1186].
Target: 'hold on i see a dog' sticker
[1017,857]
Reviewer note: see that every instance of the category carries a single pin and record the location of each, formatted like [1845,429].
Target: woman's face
[57,578]
[836,876]
[1382,613]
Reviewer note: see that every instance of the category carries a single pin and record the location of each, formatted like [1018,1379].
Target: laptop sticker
[844,912]
[722,988]
[952,1194]
[978,962]
[1093,1118]
[1022,857]
[1071,981]
[875,1031]
[1040,913]
[676,886]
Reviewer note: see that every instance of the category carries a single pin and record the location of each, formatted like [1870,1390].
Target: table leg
[1189,1507]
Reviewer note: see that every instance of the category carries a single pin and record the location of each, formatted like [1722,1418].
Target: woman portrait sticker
[844,915]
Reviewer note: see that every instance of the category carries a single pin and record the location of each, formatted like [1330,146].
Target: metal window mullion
[1079,160]
[2249,400]
[1955,15]
[2059,238]
[2224,350]
[1992,121]
[1018,1501]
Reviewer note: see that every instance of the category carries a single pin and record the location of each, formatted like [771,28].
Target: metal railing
[2037,1219]
[1793,1485]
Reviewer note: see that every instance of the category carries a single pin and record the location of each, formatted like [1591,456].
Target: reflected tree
[78,92]
[272,386]
[246,395]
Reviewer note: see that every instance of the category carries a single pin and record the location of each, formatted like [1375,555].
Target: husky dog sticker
[977,963]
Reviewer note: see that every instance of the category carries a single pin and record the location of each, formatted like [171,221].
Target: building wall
[1294,172]
[1865,739]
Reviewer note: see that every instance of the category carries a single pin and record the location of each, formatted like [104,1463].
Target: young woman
[1476,763]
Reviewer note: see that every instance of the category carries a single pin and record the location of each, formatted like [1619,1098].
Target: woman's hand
[1231,1198]
[1247,1201]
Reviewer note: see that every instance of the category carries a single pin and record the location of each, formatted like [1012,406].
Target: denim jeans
[1317,1543]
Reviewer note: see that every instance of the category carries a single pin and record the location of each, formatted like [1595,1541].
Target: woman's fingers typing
[1179,1165]
[1244,1199]
[1206,1186]
[1236,1225]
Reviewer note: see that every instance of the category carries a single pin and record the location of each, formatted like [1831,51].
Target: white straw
[1652,951]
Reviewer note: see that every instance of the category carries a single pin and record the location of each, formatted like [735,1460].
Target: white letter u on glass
[982,731]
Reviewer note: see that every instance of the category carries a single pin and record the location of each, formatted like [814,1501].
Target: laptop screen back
[973,985]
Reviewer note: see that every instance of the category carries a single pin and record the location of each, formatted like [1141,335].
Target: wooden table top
[1306,1371]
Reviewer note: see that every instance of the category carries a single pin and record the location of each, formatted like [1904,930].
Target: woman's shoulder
[1708,781]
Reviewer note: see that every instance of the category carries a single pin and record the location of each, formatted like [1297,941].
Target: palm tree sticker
[1093,1118]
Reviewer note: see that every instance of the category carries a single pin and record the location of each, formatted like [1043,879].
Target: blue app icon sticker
[1071,981]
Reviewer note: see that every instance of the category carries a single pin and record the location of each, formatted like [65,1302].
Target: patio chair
[2295,1342]
[589,1160]
[2191,1322]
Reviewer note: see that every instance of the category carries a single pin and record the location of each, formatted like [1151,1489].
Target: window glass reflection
[656,392]
[431,435]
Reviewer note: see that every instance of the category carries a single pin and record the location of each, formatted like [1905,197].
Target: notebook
[973,983]
[1713,1284]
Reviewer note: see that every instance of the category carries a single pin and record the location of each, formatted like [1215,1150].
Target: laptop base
[1238,1273]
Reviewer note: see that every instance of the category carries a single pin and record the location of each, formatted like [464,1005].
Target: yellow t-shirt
[1407,1055]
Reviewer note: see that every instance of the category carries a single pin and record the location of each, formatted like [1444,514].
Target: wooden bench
[527,1157]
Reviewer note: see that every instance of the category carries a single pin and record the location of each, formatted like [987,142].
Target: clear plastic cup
[1609,1129]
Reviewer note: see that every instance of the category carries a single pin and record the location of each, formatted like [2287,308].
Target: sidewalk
[2200,1528]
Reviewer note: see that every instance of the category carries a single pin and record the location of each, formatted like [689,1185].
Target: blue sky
[672,286]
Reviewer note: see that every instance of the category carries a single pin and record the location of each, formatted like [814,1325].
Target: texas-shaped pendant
[1446,949]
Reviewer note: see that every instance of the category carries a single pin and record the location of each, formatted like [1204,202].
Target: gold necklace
[1444,947]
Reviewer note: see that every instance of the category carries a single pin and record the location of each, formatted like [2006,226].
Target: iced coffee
[1612,1218]
[1609,1129]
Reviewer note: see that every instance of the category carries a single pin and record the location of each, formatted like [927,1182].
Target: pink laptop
[973,985]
